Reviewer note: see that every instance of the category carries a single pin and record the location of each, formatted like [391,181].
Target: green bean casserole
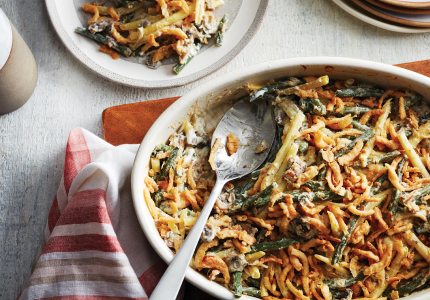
[338,211]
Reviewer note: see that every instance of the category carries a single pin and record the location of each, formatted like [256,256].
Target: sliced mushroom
[295,168]
[236,263]
[208,233]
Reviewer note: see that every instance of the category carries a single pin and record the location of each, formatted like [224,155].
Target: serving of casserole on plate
[134,22]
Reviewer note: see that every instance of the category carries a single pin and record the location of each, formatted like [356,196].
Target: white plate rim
[375,11]
[141,83]
[408,4]
[140,164]
[378,22]
[401,9]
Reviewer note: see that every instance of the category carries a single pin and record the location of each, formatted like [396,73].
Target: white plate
[66,16]
[367,17]
[226,85]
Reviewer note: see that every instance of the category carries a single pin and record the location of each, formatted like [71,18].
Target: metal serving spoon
[251,123]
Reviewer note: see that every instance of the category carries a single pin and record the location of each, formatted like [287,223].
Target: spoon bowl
[251,123]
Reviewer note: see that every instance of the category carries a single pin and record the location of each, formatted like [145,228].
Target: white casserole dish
[336,68]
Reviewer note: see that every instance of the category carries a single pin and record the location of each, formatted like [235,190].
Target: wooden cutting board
[128,124]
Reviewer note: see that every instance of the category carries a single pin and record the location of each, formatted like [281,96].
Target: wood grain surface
[129,123]
[68,95]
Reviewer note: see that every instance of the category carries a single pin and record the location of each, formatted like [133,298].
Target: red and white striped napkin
[93,246]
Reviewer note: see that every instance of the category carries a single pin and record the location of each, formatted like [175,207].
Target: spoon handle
[169,285]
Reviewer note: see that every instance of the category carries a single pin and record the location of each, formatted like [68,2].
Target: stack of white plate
[411,16]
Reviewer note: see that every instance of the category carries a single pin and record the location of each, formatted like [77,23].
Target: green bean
[160,148]
[276,245]
[253,282]
[261,235]
[102,40]
[313,106]
[320,159]
[250,184]
[221,30]
[261,201]
[124,3]
[271,88]
[378,184]
[359,126]
[136,52]
[418,194]
[387,156]
[345,282]
[315,186]
[127,18]
[319,108]
[303,145]
[364,137]
[415,99]
[320,195]
[251,291]
[268,97]
[380,158]
[264,193]
[241,192]
[179,67]
[359,92]
[353,110]
[411,286]
[339,294]
[168,164]
[322,173]
[237,284]
[423,228]
[277,143]
[344,240]
[158,197]
[394,204]
[410,100]
[353,222]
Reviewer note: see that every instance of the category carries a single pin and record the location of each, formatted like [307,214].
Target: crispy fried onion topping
[338,123]
[392,176]
[314,128]
[365,118]
[201,252]
[351,155]
[214,262]
[385,261]
[237,233]
[213,152]
[309,173]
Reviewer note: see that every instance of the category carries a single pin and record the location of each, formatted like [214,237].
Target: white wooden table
[68,95]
